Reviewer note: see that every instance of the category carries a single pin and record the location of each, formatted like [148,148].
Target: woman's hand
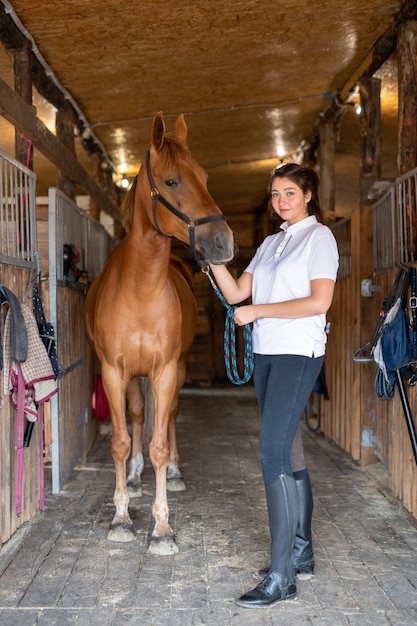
[245,314]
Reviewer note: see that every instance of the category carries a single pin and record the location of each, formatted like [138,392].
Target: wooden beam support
[381,51]
[95,173]
[326,161]
[22,65]
[65,122]
[14,41]
[23,117]
[15,109]
[407,97]
[370,146]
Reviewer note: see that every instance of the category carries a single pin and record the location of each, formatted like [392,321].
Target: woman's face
[289,201]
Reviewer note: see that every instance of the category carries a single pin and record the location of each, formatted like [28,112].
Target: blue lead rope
[229,339]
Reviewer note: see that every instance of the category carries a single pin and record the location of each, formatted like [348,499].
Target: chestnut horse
[141,316]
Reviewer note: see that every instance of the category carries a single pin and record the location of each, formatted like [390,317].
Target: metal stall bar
[407,413]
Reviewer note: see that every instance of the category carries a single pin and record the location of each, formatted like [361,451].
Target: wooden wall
[75,432]
[370,430]
[340,417]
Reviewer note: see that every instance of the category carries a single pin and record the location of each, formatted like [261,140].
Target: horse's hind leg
[175,480]
[136,409]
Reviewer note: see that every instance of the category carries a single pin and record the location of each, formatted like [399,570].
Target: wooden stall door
[69,410]
[18,245]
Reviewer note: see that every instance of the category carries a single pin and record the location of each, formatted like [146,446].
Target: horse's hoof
[122,533]
[175,484]
[134,491]
[163,546]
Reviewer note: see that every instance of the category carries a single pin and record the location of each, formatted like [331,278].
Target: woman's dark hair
[306,179]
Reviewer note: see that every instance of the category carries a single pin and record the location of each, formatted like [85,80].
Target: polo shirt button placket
[283,245]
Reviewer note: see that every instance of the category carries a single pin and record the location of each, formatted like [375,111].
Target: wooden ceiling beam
[14,40]
[23,116]
[380,53]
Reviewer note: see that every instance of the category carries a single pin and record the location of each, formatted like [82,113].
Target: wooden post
[65,123]
[326,160]
[366,322]
[370,171]
[22,65]
[309,157]
[94,209]
[407,96]
[370,124]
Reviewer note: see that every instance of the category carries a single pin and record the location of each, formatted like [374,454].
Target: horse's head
[181,205]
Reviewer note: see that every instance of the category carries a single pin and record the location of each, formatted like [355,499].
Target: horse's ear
[158,131]
[181,130]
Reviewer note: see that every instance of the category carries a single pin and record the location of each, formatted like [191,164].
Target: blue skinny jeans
[283,384]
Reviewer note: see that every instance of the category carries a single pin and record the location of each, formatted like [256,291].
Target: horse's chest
[155,320]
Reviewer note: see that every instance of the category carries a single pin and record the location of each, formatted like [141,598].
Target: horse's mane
[128,204]
[172,150]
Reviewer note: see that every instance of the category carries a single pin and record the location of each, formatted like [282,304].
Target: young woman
[291,281]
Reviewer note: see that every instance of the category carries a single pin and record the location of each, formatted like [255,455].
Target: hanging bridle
[190,221]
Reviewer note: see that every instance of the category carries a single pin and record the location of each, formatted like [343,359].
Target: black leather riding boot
[282,504]
[279,584]
[303,556]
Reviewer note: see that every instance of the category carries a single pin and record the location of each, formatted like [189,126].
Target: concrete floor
[59,569]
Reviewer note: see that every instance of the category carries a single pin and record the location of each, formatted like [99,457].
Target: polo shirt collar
[298,226]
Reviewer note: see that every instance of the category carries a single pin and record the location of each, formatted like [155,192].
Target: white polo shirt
[282,268]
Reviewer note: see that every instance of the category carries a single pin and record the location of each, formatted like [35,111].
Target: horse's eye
[171,183]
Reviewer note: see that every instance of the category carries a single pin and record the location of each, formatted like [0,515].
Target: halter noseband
[190,221]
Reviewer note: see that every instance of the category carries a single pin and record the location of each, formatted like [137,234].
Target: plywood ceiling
[251,76]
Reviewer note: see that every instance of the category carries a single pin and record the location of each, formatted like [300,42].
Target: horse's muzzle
[215,243]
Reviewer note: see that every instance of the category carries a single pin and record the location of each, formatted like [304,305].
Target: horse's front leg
[136,409]
[121,528]
[163,539]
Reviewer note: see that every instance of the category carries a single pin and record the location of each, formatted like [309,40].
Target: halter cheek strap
[189,221]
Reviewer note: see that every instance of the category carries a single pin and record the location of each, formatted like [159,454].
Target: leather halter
[190,221]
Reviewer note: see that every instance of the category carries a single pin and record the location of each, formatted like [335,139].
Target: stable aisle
[59,569]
